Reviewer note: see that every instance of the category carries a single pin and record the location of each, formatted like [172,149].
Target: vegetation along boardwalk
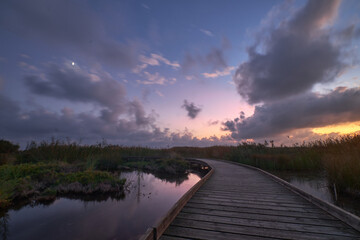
[242,203]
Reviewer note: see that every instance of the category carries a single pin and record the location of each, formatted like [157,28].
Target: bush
[8,147]
[108,164]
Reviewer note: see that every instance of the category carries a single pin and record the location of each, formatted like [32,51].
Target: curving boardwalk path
[241,203]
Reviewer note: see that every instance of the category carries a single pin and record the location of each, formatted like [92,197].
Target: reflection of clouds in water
[104,218]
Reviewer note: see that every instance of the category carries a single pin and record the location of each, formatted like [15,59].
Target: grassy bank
[49,169]
[57,167]
[41,181]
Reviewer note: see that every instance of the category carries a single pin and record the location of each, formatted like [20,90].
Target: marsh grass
[44,180]
[341,160]
[48,169]
[339,157]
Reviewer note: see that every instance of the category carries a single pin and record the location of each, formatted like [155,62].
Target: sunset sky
[171,73]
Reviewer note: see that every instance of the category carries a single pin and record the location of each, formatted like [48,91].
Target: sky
[179,73]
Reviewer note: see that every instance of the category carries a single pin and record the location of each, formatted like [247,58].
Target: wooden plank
[260,211]
[253,205]
[310,220]
[167,237]
[256,231]
[191,233]
[260,199]
[241,203]
[258,202]
[348,218]
[294,226]
[283,194]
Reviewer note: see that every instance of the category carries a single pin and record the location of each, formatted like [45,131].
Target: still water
[316,184]
[147,198]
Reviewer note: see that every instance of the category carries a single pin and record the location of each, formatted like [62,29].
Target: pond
[315,183]
[147,198]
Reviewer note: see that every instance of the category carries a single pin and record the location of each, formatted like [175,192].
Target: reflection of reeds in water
[340,157]
[4,226]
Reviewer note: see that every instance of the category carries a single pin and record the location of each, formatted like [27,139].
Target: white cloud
[165,61]
[154,60]
[24,56]
[225,72]
[156,78]
[27,66]
[149,60]
[160,94]
[207,32]
[189,77]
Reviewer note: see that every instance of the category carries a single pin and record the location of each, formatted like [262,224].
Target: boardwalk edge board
[155,233]
[346,217]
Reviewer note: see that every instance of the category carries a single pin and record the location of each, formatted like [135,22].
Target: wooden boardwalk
[241,203]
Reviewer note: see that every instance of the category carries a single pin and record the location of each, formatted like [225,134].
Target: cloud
[225,72]
[213,60]
[140,130]
[160,58]
[23,55]
[207,32]
[308,110]
[212,123]
[160,94]
[291,58]
[70,25]
[26,66]
[77,85]
[156,78]
[153,60]
[192,110]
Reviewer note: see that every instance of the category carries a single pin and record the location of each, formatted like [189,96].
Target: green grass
[52,168]
[339,157]
[40,179]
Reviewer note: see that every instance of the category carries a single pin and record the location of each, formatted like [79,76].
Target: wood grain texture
[242,203]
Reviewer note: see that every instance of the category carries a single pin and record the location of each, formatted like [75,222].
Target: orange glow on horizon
[344,128]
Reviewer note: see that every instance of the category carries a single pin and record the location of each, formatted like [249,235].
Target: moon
[73,63]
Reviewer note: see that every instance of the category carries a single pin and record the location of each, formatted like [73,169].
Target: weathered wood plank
[242,203]
[309,220]
[260,211]
[253,205]
[295,226]
[259,198]
[256,231]
[258,202]
[191,233]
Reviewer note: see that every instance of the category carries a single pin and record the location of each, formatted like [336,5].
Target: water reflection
[4,226]
[148,197]
[316,184]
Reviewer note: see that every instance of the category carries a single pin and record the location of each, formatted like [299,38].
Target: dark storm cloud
[68,24]
[137,109]
[41,124]
[308,110]
[73,84]
[349,33]
[192,110]
[294,56]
